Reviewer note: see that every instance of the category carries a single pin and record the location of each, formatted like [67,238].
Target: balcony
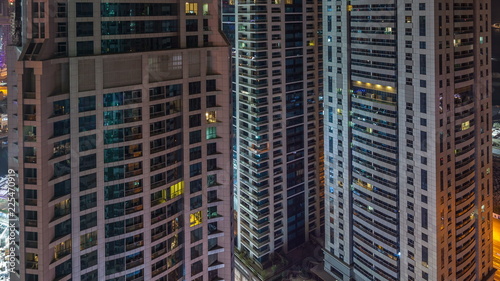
[30,138]
[61,254]
[159,270]
[29,117]
[31,264]
[30,159]
[134,227]
[31,222]
[29,95]
[133,209]
[61,212]
[133,173]
[135,262]
[158,218]
[158,253]
[158,235]
[31,244]
[134,245]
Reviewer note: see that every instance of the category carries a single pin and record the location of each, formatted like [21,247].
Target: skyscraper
[120,136]
[408,140]
[278,97]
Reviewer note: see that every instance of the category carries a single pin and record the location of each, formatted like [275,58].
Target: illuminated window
[465,125]
[211,117]
[211,133]
[195,219]
[205,9]
[191,8]
[62,249]
[88,240]
[177,189]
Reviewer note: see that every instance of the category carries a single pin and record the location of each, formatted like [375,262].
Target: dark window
[423,64]
[195,104]
[88,260]
[423,141]
[112,46]
[195,202]
[64,268]
[192,41]
[423,178]
[87,143]
[195,186]
[211,85]
[138,9]
[138,27]
[194,120]
[211,101]
[87,162]
[88,201]
[211,164]
[61,128]
[86,123]
[194,88]
[195,169]
[62,168]
[211,148]
[91,276]
[422,26]
[194,153]
[86,104]
[424,217]
[62,188]
[88,182]
[84,10]
[85,48]
[84,29]
[191,25]
[62,229]
[196,235]
[194,137]
[423,103]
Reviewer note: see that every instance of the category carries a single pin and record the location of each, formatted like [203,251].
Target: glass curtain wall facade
[408,140]
[277,58]
[120,117]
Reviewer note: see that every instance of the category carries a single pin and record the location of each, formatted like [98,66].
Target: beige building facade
[121,142]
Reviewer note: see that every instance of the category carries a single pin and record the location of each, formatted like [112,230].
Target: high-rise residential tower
[278,97]
[408,140]
[120,136]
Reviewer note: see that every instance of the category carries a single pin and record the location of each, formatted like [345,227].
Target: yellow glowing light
[195,219]
[177,189]
[465,125]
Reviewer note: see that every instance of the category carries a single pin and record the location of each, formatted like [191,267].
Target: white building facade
[408,161]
